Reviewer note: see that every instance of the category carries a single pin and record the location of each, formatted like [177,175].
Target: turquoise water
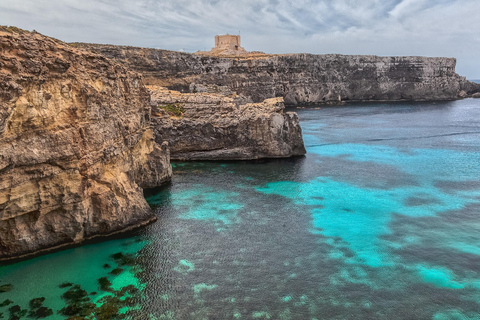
[379,221]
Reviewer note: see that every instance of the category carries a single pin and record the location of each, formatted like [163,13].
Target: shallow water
[379,221]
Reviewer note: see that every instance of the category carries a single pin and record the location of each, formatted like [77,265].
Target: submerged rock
[6,288]
[76,146]
[206,126]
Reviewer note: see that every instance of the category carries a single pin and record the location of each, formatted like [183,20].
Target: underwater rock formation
[299,78]
[206,126]
[76,146]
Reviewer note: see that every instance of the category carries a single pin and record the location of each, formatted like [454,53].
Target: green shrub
[173,109]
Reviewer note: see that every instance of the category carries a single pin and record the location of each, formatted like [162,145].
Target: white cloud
[407,7]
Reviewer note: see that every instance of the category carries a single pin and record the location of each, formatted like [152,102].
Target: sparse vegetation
[173,109]
[12,29]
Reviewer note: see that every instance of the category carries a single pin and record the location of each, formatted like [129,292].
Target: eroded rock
[206,126]
[75,145]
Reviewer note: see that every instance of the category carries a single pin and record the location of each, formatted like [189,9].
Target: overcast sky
[449,28]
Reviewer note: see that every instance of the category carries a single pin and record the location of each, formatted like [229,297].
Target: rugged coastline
[79,141]
[76,146]
[299,78]
[84,128]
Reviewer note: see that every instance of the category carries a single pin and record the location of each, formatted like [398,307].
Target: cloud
[407,7]
[380,27]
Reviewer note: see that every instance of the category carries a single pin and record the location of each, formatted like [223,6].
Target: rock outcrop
[299,78]
[76,146]
[205,126]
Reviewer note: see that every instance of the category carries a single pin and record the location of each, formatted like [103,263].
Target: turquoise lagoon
[379,221]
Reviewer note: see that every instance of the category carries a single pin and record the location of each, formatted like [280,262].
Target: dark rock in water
[105,284]
[109,308]
[298,78]
[78,303]
[123,259]
[37,310]
[6,303]
[6,288]
[116,271]
[215,127]
[75,294]
[65,285]
[76,146]
[40,313]
[36,303]
[16,313]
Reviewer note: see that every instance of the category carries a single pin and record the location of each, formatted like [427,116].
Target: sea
[380,220]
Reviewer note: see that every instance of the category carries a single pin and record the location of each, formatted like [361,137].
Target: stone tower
[228,44]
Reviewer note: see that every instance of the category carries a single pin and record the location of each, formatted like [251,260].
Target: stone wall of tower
[227,42]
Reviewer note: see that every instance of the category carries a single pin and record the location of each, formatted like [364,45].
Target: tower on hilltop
[228,44]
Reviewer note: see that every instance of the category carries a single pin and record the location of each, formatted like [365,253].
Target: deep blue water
[379,221]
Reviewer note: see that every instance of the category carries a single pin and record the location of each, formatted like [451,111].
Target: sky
[447,28]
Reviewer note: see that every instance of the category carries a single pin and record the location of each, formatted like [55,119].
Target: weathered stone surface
[215,127]
[299,78]
[75,145]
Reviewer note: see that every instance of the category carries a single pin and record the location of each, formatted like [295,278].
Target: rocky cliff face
[205,126]
[300,78]
[75,145]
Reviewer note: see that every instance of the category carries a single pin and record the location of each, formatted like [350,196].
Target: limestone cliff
[300,78]
[75,145]
[205,126]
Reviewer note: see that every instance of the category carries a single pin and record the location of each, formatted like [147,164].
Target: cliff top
[243,55]
[246,56]
[251,55]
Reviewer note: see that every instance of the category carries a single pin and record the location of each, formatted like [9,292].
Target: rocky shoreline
[299,78]
[80,138]
[84,128]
